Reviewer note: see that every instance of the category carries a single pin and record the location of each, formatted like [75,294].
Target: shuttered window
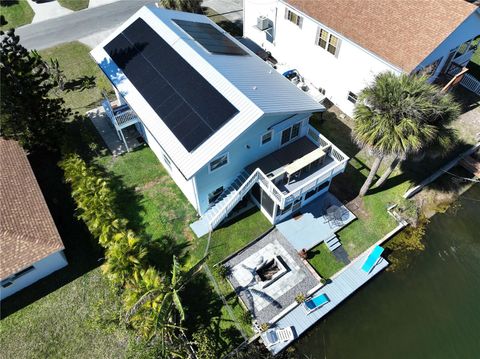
[295,18]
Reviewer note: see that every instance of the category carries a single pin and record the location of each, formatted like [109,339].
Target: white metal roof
[250,84]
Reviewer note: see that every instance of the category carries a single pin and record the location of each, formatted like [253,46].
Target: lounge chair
[372,259]
[274,336]
[316,302]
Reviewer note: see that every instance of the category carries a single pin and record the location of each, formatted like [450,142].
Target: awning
[304,161]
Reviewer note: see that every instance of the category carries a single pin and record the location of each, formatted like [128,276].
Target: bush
[300,297]
[223,271]
[206,346]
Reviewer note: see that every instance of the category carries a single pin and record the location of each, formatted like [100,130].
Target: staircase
[219,210]
[333,243]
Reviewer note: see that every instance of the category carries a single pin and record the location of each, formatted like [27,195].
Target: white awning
[304,161]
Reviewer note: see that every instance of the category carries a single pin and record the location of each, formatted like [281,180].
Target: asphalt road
[78,25]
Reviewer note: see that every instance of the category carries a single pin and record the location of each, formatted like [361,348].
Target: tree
[182,5]
[154,308]
[401,115]
[28,114]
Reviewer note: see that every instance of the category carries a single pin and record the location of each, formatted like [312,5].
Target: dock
[341,286]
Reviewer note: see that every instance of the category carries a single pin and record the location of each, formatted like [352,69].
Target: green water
[429,310]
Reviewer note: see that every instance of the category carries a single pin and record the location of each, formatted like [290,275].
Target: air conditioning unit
[263,23]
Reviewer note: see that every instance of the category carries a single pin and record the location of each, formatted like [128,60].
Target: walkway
[310,228]
[342,285]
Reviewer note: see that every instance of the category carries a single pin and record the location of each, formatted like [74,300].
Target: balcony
[299,167]
[121,116]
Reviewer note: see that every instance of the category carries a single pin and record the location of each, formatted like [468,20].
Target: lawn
[74,5]
[16,13]
[85,80]
[324,261]
[373,220]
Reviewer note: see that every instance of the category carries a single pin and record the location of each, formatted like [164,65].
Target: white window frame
[262,136]
[167,160]
[227,155]
[328,41]
[300,123]
[355,97]
[288,16]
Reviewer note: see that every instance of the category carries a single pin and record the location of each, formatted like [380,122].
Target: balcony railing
[120,117]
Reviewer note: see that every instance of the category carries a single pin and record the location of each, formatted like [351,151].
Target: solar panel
[185,101]
[210,38]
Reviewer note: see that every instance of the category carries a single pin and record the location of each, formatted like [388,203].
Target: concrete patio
[311,227]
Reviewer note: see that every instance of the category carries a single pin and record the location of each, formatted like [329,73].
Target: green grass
[373,220]
[85,80]
[324,261]
[65,324]
[74,5]
[16,13]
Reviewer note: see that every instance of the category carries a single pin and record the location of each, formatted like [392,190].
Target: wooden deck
[342,285]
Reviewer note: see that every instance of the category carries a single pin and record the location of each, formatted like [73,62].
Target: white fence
[471,83]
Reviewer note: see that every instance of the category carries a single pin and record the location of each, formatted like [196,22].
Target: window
[290,133]
[267,137]
[286,135]
[9,281]
[430,69]
[212,197]
[332,45]
[328,41]
[292,17]
[322,39]
[218,162]
[352,97]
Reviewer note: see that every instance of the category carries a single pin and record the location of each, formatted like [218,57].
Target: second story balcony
[300,166]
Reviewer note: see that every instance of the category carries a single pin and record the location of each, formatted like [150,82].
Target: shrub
[300,298]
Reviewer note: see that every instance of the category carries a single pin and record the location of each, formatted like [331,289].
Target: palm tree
[182,5]
[400,115]
[125,256]
[153,303]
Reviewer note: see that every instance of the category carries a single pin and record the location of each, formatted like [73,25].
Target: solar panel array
[210,38]
[185,101]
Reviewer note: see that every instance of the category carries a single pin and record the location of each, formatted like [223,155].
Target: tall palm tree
[400,115]
[182,5]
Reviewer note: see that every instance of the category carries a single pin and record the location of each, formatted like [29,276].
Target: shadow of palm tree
[80,84]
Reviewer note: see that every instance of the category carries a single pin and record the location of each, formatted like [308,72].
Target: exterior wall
[468,30]
[42,268]
[186,186]
[350,70]
[240,156]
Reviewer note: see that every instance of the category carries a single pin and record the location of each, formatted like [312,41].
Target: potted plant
[300,298]
[264,327]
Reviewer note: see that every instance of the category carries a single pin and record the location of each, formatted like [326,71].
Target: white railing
[471,83]
[277,196]
[126,116]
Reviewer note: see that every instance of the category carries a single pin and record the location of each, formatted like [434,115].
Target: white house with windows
[224,123]
[340,45]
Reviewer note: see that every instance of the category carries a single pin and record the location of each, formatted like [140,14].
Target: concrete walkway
[48,10]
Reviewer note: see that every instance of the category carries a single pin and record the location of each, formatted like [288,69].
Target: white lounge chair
[274,336]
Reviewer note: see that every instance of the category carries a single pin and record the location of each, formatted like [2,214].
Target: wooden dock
[342,285]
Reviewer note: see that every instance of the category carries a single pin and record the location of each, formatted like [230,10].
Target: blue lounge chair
[372,259]
[316,302]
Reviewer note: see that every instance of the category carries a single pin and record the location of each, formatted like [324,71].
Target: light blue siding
[240,156]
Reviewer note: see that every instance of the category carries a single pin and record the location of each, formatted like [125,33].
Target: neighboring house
[222,122]
[340,45]
[30,246]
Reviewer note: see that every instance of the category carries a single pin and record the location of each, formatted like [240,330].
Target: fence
[471,83]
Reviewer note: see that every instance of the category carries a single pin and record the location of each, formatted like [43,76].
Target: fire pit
[269,271]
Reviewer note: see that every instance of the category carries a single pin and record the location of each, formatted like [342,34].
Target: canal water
[430,309]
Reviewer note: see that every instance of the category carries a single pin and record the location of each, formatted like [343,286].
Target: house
[340,45]
[223,123]
[30,245]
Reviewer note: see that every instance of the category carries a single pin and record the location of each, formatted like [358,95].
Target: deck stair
[230,197]
[333,243]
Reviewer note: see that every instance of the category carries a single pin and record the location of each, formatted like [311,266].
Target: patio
[314,223]
[267,275]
